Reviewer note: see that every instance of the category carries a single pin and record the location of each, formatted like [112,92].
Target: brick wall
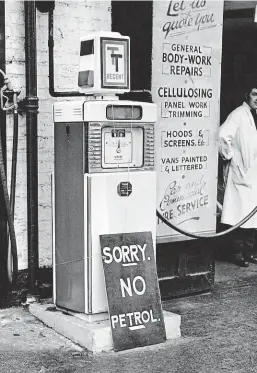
[72,19]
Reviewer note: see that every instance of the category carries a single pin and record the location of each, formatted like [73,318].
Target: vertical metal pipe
[31,106]
[3,218]
[89,306]
[14,153]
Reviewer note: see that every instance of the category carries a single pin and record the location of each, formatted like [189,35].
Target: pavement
[219,334]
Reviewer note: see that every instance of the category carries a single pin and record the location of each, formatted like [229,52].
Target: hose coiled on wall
[3,180]
[8,213]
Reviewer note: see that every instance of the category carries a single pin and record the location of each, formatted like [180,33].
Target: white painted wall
[72,19]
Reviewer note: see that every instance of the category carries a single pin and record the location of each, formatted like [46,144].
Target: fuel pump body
[104,183]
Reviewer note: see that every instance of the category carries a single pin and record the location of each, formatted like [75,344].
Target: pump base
[95,336]
[103,316]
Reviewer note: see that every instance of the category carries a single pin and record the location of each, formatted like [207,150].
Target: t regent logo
[115,57]
[115,63]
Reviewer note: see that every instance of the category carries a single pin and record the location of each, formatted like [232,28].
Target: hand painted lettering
[187,16]
[125,254]
[133,320]
[138,285]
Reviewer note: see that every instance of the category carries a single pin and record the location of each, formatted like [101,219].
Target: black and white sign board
[135,310]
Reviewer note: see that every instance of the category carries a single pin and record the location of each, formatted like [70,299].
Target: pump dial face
[118,146]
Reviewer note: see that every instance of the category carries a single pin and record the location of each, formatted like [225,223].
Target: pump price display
[118,146]
[119,133]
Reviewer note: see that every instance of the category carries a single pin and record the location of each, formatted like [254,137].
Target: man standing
[238,144]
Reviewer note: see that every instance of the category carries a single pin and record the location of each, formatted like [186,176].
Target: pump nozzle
[8,96]
[8,84]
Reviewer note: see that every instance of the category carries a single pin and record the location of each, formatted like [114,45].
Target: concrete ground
[219,334]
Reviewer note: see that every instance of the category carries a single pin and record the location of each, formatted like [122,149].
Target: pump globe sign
[132,290]
[115,63]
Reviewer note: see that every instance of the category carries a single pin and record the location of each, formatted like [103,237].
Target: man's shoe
[242,263]
[252,259]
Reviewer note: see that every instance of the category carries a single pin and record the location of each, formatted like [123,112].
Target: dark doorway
[239,54]
[134,19]
[238,69]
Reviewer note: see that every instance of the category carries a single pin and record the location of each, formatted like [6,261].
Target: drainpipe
[31,107]
[4,283]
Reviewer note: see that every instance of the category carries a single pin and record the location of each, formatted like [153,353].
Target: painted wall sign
[132,290]
[187,42]
[115,72]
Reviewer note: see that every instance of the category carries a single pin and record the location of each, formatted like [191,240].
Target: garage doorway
[239,56]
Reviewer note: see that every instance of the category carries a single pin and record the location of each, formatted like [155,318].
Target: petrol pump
[104,178]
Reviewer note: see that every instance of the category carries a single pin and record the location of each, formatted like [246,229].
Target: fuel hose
[11,259]
[3,181]
[193,235]
[8,213]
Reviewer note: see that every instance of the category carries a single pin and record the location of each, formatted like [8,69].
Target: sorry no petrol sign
[132,290]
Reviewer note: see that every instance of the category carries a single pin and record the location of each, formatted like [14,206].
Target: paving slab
[28,346]
[95,335]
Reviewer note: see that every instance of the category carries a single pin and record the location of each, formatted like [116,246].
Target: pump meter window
[123,112]
[119,147]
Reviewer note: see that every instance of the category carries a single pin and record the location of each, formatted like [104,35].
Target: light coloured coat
[238,143]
